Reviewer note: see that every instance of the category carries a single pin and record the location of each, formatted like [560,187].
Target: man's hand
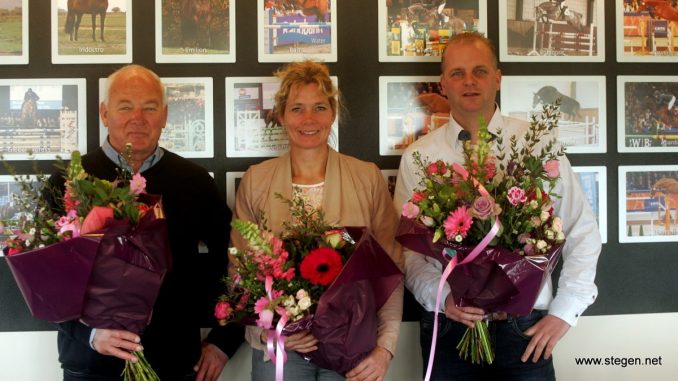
[116,342]
[302,342]
[545,335]
[464,315]
[372,368]
[211,363]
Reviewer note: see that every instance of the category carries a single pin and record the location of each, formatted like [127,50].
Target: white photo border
[623,213]
[207,83]
[384,146]
[55,31]
[622,56]
[510,81]
[272,57]
[383,34]
[601,173]
[622,80]
[230,83]
[21,59]
[161,57]
[81,127]
[600,39]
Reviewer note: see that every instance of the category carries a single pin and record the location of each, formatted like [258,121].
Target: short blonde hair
[470,38]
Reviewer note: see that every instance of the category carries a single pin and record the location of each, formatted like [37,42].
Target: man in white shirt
[523,345]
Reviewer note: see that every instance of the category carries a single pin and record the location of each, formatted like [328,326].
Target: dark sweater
[195,212]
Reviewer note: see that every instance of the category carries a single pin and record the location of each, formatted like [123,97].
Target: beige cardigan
[355,194]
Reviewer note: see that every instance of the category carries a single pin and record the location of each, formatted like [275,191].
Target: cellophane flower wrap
[458,205]
[327,279]
[102,262]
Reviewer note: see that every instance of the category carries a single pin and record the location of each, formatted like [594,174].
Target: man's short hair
[469,38]
[111,78]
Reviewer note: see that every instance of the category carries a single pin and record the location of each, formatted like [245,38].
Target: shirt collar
[119,159]
[454,128]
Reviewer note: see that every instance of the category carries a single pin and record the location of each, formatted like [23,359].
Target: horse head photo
[549,94]
[77,8]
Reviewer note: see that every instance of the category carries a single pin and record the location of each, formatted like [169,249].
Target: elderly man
[134,111]
[523,345]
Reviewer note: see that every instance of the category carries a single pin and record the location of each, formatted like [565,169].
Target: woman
[349,191]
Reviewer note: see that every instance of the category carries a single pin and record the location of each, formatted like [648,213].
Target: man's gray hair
[111,78]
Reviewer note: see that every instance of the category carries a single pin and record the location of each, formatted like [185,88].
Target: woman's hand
[302,342]
[372,368]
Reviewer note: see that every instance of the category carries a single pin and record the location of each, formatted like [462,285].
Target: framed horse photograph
[194,31]
[232,182]
[42,118]
[648,203]
[552,31]
[105,36]
[647,30]
[417,30]
[293,30]
[583,123]
[593,181]
[189,131]
[409,108]
[252,129]
[14,32]
[647,113]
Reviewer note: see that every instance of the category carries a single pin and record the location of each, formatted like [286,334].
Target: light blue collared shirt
[119,159]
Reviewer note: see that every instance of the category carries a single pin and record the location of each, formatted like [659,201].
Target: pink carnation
[552,168]
[516,196]
[410,210]
[222,311]
[458,223]
[138,184]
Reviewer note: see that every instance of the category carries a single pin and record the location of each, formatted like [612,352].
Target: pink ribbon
[275,342]
[453,263]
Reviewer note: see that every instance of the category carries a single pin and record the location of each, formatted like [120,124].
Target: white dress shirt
[576,289]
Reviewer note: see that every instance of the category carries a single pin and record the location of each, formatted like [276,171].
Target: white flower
[289,301]
[292,311]
[302,294]
[541,245]
[560,236]
[557,224]
[550,234]
[427,221]
[534,204]
[305,303]
[535,221]
[458,238]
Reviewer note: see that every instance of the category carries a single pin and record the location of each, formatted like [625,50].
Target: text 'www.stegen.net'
[618,361]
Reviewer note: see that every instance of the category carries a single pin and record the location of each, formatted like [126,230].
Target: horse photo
[29,109]
[319,8]
[196,18]
[78,8]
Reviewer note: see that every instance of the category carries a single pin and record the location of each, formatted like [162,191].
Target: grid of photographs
[97,31]
[582,126]
[647,113]
[42,118]
[409,108]
[189,131]
[647,30]
[292,30]
[648,203]
[593,181]
[251,129]
[416,31]
[194,31]
[552,31]
[14,32]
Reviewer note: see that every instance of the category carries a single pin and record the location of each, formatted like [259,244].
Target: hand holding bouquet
[102,261]
[493,217]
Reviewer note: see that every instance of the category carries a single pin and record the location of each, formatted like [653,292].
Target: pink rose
[410,210]
[138,184]
[437,168]
[222,311]
[482,207]
[516,196]
[552,168]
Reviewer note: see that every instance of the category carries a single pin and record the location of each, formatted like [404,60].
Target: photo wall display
[42,118]
[96,31]
[194,31]
[647,113]
[593,181]
[409,108]
[552,31]
[648,203]
[582,126]
[14,32]
[417,31]
[189,131]
[293,30]
[647,30]
[251,126]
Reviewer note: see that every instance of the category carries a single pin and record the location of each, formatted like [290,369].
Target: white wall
[31,356]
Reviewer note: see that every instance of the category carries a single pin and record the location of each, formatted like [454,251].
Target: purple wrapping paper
[110,281]
[345,320]
[498,280]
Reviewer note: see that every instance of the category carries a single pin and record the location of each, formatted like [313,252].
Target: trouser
[296,369]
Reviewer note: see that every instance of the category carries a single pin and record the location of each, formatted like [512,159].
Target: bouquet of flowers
[491,222]
[328,279]
[102,261]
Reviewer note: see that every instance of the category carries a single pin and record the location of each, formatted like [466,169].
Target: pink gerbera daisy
[458,223]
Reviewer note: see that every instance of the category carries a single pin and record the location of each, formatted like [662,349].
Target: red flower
[321,266]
